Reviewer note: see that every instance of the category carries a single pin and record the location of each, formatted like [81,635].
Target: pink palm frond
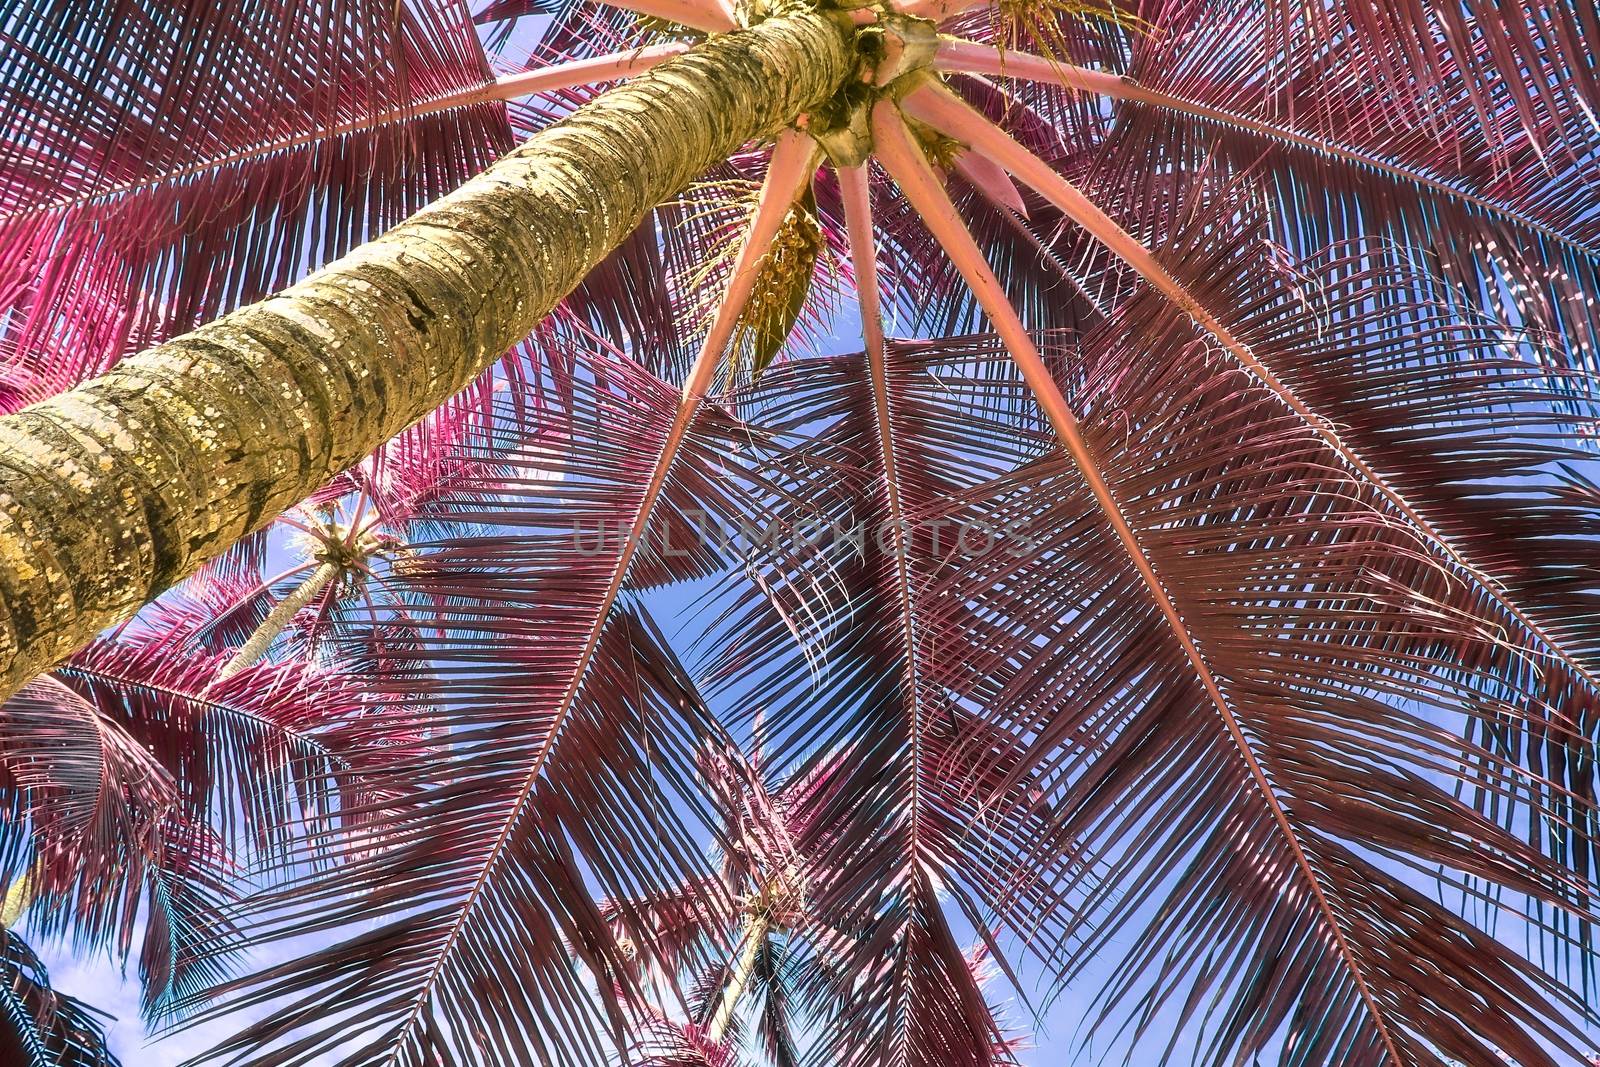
[613,737]
[948,112]
[665,1042]
[107,839]
[905,162]
[158,176]
[40,1026]
[1238,471]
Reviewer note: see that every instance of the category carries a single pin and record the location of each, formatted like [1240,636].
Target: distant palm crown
[1196,598]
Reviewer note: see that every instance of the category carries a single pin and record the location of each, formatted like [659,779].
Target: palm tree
[215,756]
[1223,519]
[777,947]
[141,790]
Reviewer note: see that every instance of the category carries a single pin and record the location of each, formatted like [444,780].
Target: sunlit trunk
[284,611]
[115,490]
[18,895]
[755,935]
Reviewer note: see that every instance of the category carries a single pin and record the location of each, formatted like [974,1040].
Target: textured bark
[18,896]
[755,935]
[115,490]
[282,613]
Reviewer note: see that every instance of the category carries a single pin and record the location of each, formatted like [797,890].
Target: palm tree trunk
[743,969]
[260,639]
[18,895]
[115,490]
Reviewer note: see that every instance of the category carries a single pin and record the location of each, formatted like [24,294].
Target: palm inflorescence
[1105,505]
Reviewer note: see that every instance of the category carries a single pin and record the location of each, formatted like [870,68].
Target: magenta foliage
[1277,358]
[190,171]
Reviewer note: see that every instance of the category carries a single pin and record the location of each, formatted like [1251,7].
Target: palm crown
[1205,594]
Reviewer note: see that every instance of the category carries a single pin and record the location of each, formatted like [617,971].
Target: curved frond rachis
[1234,465]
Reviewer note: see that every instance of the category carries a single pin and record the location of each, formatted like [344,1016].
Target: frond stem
[710,16]
[794,160]
[506,87]
[853,187]
[201,699]
[938,10]
[972,57]
[941,108]
[906,164]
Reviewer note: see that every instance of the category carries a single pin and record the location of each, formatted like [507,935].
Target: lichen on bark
[115,490]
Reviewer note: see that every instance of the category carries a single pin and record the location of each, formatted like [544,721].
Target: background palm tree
[774,957]
[1203,596]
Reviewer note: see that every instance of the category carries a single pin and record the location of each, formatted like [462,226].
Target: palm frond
[99,823]
[256,757]
[569,761]
[892,791]
[40,1027]
[1219,626]
[135,142]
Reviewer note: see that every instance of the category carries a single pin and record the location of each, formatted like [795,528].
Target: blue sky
[102,982]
